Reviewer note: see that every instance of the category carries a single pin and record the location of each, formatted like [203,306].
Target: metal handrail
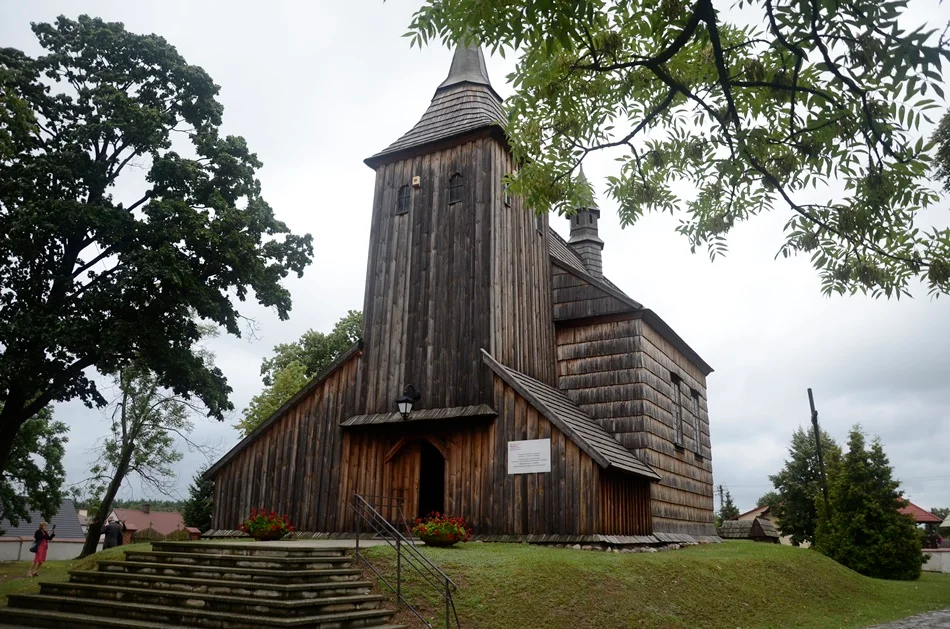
[406,552]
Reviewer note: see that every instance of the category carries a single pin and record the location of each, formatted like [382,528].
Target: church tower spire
[584,239]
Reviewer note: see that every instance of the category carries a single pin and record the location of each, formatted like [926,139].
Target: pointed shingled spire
[468,66]
[584,238]
[464,103]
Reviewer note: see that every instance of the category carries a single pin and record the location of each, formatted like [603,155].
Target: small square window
[507,196]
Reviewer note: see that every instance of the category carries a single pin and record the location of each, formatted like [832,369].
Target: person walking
[41,541]
[112,534]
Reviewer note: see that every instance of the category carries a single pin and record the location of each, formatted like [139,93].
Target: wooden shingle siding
[618,371]
[293,466]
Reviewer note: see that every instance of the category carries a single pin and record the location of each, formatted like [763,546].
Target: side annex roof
[572,421]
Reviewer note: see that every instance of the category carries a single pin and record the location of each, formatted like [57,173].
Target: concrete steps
[247,588]
[223,560]
[213,586]
[232,574]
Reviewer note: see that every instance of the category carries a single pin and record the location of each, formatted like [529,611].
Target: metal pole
[359,525]
[448,622]
[398,570]
[821,460]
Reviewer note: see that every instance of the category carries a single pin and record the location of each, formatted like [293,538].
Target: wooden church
[546,400]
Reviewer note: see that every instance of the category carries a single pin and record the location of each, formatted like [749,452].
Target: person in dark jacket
[42,539]
[112,534]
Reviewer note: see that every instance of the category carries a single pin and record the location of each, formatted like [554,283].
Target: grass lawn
[13,575]
[734,585]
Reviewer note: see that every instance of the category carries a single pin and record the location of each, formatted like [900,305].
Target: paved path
[933,620]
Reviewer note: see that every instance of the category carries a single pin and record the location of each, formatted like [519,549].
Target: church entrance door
[431,480]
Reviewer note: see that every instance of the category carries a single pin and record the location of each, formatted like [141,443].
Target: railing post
[398,570]
[359,525]
[447,601]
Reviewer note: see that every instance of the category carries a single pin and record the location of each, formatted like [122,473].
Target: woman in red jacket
[41,538]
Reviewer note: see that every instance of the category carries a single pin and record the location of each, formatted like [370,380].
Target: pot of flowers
[441,530]
[264,525]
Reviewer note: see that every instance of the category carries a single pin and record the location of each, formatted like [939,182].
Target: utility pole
[821,460]
[722,500]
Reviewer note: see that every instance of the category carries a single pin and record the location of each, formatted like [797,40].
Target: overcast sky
[315,87]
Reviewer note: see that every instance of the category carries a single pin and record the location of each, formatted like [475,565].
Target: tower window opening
[455,188]
[403,200]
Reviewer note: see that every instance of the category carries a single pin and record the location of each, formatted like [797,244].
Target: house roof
[463,103]
[426,414]
[751,514]
[66,521]
[577,425]
[745,529]
[946,522]
[921,516]
[164,522]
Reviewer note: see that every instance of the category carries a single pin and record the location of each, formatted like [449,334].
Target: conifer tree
[863,529]
[196,511]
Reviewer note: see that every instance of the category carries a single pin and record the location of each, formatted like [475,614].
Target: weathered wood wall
[568,500]
[292,465]
[624,504]
[619,372]
[446,280]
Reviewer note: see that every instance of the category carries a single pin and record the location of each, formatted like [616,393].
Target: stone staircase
[236,585]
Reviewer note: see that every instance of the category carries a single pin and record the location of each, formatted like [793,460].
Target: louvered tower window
[403,200]
[455,188]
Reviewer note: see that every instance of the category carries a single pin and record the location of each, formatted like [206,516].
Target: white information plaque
[529,457]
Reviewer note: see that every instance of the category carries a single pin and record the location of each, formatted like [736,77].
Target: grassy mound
[13,575]
[732,585]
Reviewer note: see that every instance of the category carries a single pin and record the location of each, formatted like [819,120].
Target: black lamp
[405,403]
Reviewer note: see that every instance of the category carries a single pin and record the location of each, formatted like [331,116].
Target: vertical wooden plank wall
[293,466]
[619,372]
[446,280]
[521,324]
[477,485]
[624,504]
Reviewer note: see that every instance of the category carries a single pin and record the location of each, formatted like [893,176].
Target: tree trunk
[95,527]
[11,419]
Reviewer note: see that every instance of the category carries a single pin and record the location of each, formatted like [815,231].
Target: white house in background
[16,541]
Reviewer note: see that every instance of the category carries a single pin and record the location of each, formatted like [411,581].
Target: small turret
[584,239]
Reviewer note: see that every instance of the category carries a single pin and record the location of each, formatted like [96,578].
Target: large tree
[863,528]
[293,365]
[798,485]
[35,476]
[147,422]
[720,111]
[94,273]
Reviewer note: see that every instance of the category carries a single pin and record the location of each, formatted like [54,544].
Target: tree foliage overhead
[721,113]
[91,274]
[798,485]
[293,365]
[863,528]
[34,478]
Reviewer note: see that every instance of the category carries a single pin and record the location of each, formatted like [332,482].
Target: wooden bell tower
[455,263]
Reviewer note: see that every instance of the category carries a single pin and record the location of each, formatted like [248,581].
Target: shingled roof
[66,521]
[577,425]
[463,103]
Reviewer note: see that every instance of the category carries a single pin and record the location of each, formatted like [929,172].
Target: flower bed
[264,525]
[441,530]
